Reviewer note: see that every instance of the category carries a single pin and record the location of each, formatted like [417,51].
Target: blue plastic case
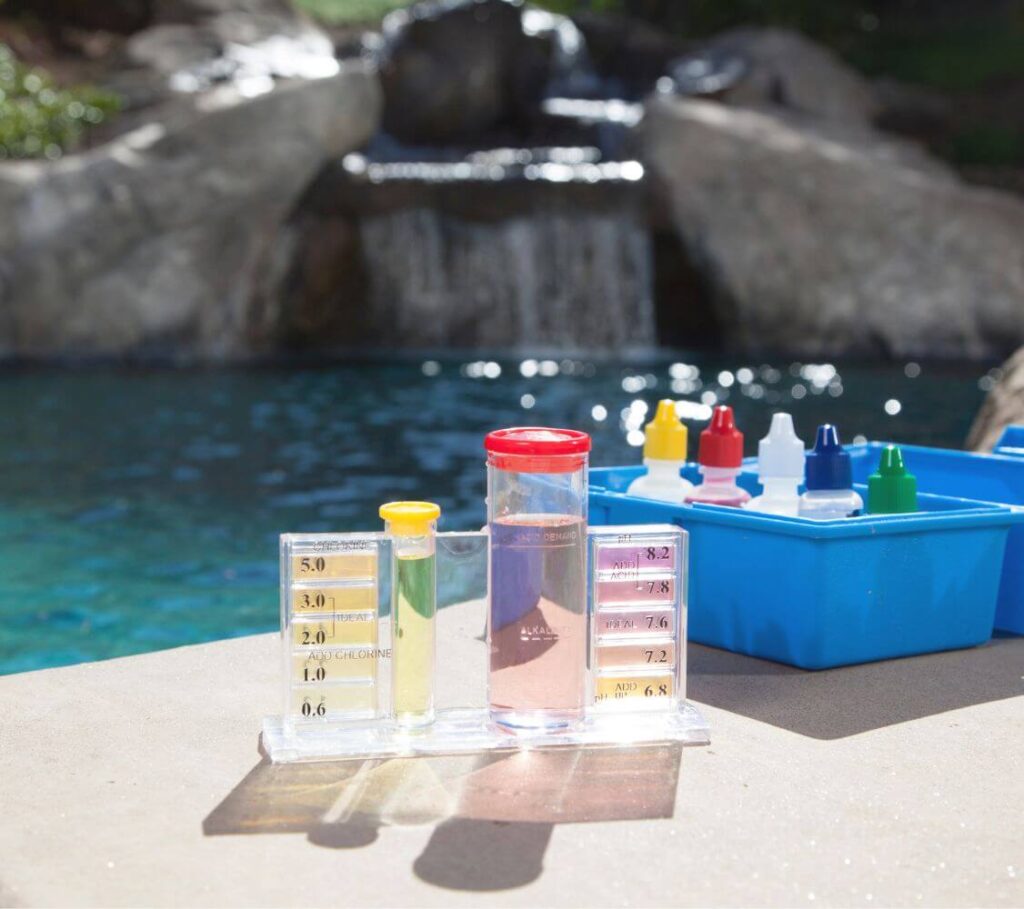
[817,594]
[998,477]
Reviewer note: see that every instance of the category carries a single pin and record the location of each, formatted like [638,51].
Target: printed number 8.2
[656,552]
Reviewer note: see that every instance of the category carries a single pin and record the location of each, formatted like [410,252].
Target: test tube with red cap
[537,628]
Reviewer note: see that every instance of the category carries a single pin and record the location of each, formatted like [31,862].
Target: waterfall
[559,276]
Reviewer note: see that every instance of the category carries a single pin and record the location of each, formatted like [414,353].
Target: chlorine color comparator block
[334,627]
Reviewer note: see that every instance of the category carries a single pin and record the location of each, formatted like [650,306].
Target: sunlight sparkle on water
[691,410]
[683,371]
[893,407]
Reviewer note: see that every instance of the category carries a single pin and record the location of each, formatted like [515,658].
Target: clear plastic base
[462,730]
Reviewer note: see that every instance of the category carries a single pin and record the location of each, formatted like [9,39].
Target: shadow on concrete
[834,703]
[492,814]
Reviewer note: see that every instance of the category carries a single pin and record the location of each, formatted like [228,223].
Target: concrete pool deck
[138,781]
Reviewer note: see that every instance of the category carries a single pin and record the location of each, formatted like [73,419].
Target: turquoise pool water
[140,509]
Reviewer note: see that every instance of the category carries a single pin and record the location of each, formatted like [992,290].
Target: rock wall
[827,240]
[157,241]
[1003,407]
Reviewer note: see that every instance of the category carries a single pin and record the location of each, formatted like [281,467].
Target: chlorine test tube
[412,527]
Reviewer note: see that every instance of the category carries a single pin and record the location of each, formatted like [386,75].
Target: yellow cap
[410,519]
[665,435]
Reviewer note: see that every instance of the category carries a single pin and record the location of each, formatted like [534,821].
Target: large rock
[788,70]
[158,241]
[629,52]
[1003,407]
[451,70]
[822,241]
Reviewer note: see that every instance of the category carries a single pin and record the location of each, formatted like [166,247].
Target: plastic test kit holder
[337,649]
[817,594]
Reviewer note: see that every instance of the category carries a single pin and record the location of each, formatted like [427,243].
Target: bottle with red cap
[720,457]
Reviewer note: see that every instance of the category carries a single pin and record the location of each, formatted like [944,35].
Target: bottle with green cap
[664,457]
[891,489]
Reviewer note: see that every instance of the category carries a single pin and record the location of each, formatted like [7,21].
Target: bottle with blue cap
[780,468]
[829,480]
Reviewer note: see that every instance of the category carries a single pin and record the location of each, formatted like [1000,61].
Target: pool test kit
[584,628]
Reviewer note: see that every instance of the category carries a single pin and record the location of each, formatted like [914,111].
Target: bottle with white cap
[664,456]
[780,468]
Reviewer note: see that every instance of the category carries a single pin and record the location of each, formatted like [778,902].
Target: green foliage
[965,56]
[38,119]
[341,12]
[994,145]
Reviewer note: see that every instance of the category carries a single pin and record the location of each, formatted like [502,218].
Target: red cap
[721,444]
[537,449]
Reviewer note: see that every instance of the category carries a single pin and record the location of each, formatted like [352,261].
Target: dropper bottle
[891,489]
[664,457]
[780,468]
[720,457]
[829,479]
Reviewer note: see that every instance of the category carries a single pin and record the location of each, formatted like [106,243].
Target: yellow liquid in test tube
[412,527]
[415,606]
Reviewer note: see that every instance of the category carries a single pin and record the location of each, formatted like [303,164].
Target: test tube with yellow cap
[412,527]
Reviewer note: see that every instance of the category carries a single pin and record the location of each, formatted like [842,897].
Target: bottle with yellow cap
[664,456]
[412,527]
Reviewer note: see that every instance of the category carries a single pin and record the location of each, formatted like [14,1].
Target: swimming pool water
[140,509]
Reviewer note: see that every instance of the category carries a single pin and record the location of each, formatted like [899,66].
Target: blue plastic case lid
[828,463]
